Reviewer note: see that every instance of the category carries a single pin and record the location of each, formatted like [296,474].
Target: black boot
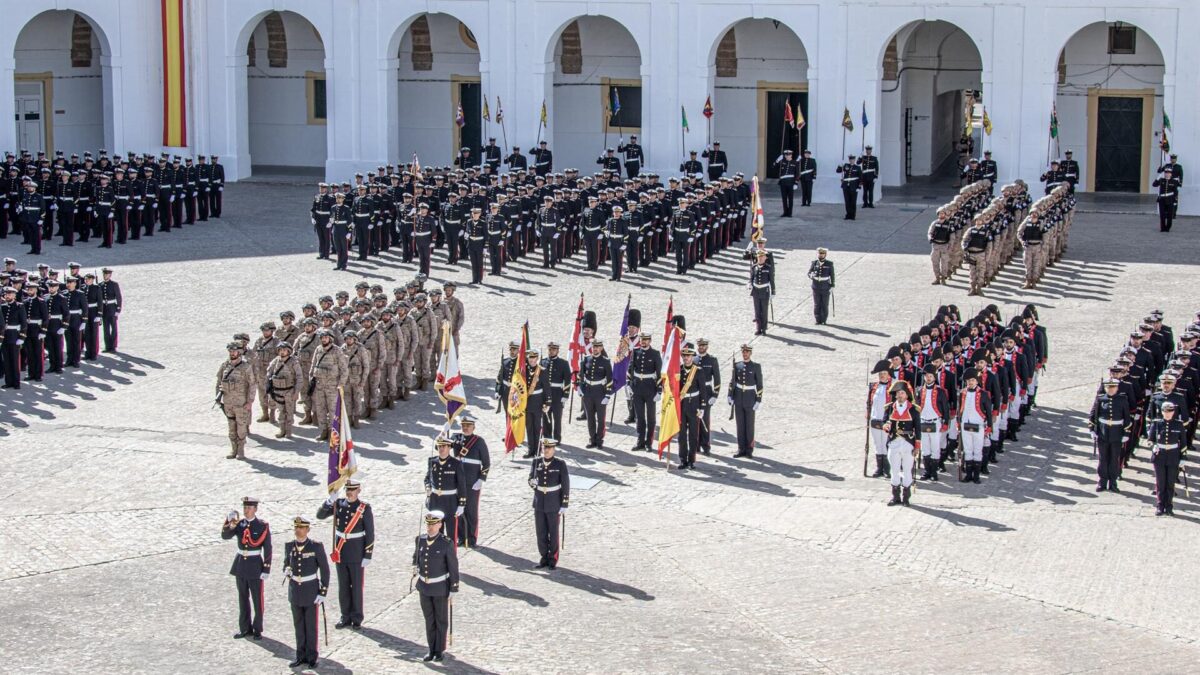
[992,455]
[887,466]
[895,496]
[879,471]
[933,468]
[983,468]
[907,494]
[966,474]
[975,472]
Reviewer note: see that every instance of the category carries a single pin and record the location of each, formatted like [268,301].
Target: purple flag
[620,362]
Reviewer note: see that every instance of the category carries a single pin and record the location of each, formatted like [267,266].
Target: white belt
[471,461]
[535,392]
[1167,194]
[691,395]
[300,580]
[1113,423]
[787,176]
[352,535]
[594,382]
[12,328]
[868,170]
[434,580]
[110,302]
[557,385]
[93,304]
[1173,446]
[806,171]
[553,488]
[453,222]
[443,493]
[640,376]
[75,311]
[322,213]
[821,278]
[478,238]
[250,552]
[762,285]
[747,387]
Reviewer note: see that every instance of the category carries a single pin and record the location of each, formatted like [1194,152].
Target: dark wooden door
[471,134]
[781,136]
[1119,144]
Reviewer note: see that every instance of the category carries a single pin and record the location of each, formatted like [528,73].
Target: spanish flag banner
[518,396]
[174,84]
[670,414]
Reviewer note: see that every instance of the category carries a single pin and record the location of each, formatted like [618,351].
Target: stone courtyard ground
[114,484]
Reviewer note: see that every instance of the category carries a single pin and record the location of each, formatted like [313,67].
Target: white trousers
[879,441]
[900,456]
[972,445]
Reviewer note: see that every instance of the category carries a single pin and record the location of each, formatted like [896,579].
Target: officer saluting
[435,567]
[633,156]
[1110,421]
[308,574]
[551,485]
[251,566]
[717,162]
[851,178]
[1168,198]
[353,543]
[820,271]
[472,453]
[868,166]
[745,395]
[788,168]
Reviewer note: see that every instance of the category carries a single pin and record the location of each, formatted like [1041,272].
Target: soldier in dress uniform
[901,424]
[37,317]
[543,159]
[868,166]
[633,156]
[516,161]
[595,387]
[933,401]
[851,181]
[788,169]
[1110,421]
[808,174]
[558,377]
[745,396]
[1168,197]
[988,170]
[692,167]
[446,485]
[110,312]
[975,414]
[490,154]
[609,161]
[1166,435]
[251,566]
[13,323]
[472,453]
[762,288]
[435,567]
[717,161]
[645,384]
[615,231]
[695,395]
[1070,171]
[712,372]
[551,483]
[29,211]
[820,271]
[353,545]
[308,575]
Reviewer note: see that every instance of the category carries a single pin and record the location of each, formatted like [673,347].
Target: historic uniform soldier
[934,403]
[851,180]
[551,485]
[633,156]
[762,288]
[595,387]
[446,485]
[717,161]
[808,174]
[820,271]
[1166,435]
[900,423]
[788,169]
[435,567]
[975,413]
[251,566]
[235,396]
[472,453]
[353,544]
[1110,421]
[308,573]
[37,316]
[868,166]
[1168,197]
[695,392]
[745,396]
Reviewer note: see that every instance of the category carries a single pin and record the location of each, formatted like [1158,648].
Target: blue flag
[616,102]
[864,115]
[620,362]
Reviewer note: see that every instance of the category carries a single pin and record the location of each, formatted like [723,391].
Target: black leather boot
[895,496]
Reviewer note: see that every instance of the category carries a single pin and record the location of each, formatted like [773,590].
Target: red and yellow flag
[518,396]
[174,83]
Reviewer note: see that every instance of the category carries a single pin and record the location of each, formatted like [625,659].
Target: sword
[451,626]
[562,528]
[325,621]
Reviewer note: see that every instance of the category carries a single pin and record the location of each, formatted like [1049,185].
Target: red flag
[670,417]
[518,395]
[577,345]
[788,119]
[708,109]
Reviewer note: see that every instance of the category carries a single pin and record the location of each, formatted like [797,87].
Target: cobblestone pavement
[115,482]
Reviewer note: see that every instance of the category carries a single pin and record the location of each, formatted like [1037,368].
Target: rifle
[499,400]
[867,436]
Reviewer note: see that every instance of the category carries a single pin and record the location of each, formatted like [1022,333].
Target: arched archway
[930,70]
[1108,98]
[62,63]
[287,111]
[597,64]
[436,71]
[757,68]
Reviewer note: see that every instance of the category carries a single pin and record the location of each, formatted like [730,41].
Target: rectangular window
[1122,39]
[315,91]
[629,96]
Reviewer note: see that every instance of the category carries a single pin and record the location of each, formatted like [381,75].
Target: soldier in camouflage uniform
[455,307]
[390,331]
[359,364]
[329,371]
[424,319]
[235,396]
[284,380]
[288,331]
[406,355]
[264,351]
[440,312]
[376,346]
[305,346]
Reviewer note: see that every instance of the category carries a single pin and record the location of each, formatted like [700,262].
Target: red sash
[336,556]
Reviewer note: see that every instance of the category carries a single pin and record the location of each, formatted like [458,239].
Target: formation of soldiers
[1151,392]
[955,388]
[475,213]
[377,349]
[114,199]
[55,319]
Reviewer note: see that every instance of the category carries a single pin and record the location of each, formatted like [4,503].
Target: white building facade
[349,85]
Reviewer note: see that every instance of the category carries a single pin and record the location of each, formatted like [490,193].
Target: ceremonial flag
[757,222]
[578,345]
[669,415]
[847,123]
[788,119]
[487,115]
[416,164]
[1164,143]
[459,118]
[670,318]
[800,121]
[518,396]
[449,384]
[864,115]
[499,112]
[708,109]
[616,101]
[683,112]
[543,117]
[174,78]
[342,461]
[987,122]
[620,362]
[1054,121]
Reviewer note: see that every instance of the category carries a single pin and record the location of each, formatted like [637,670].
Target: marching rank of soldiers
[1152,393]
[954,386]
[473,212]
[59,321]
[114,199]
[375,348]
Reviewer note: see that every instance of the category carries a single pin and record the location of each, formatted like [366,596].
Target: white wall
[425,118]
[280,134]
[1089,65]
[765,54]
[609,51]
[45,46]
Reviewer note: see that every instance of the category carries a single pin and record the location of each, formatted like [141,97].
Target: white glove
[54,207]
[459,511]
[330,500]
[478,484]
[320,600]
[172,200]
[20,342]
[657,398]
[39,222]
[756,406]
[220,189]
[779,158]
[264,576]
[532,483]
[606,400]
[730,399]
[313,221]
[287,572]
[562,510]
[141,208]
[62,331]
[20,208]
[428,490]
[712,401]
[414,570]
[366,561]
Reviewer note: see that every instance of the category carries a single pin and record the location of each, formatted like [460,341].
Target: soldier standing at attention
[645,383]
[762,287]
[472,453]
[745,396]
[1070,171]
[358,367]
[308,572]
[788,168]
[435,566]
[353,544]
[251,566]
[284,379]
[901,426]
[939,241]
[695,392]
[595,387]
[558,377]
[1110,421]
[868,166]
[808,174]
[319,215]
[712,373]
[820,271]
[1168,198]
[235,395]
[446,485]
[851,179]
[551,485]
[264,349]
[633,156]
[330,370]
